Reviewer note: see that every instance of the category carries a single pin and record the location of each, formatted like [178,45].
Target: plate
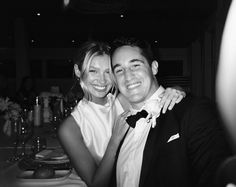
[32,163]
[49,156]
[28,176]
[57,154]
[52,161]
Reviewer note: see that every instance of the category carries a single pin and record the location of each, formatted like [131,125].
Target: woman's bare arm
[83,162]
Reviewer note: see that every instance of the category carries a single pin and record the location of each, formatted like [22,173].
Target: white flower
[153,108]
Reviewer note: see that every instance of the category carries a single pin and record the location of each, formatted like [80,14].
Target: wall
[204,53]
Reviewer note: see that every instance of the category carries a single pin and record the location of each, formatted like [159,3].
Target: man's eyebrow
[137,60]
[131,61]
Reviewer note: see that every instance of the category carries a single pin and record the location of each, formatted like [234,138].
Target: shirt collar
[155,96]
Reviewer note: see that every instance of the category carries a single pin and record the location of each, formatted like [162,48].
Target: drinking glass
[56,120]
[25,132]
[39,144]
[15,136]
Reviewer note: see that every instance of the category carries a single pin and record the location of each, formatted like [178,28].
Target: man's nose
[128,74]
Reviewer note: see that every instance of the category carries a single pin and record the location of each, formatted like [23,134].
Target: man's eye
[108,72]
[118,71]
[136,65]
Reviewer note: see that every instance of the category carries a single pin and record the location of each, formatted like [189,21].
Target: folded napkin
[57,154]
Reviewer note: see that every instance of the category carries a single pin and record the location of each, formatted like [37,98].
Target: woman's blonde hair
[83,58]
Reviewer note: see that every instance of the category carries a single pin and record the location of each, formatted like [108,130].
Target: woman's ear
[154,67]
[77,71]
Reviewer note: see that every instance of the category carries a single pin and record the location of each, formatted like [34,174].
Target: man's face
[133,74]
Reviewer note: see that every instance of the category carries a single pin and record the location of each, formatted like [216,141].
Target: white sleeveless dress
[96,123]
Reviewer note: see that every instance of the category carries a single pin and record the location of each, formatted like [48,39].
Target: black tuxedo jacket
[186,147]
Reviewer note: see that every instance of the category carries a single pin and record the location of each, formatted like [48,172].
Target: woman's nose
[102,78]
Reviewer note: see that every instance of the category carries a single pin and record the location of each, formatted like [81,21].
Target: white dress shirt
[131,153]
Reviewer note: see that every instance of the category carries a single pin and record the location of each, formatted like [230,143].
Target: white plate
[52,161]
[57,154]
[28,176]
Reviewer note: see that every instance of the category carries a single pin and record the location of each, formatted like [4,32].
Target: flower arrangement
[10,112]
[10,109]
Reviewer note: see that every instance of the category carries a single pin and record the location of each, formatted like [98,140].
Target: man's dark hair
[143,45]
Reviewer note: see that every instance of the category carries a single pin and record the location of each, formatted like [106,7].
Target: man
[182,147]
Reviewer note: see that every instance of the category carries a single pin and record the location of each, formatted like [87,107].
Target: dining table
[21,172]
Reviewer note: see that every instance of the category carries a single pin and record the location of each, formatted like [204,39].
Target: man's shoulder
[197,104]
[192,100]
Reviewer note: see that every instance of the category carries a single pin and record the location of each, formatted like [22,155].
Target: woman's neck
[99,101]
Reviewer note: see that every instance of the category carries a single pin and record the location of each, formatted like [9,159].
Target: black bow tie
[131,120]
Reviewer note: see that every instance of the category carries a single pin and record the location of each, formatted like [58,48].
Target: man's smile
[133,85]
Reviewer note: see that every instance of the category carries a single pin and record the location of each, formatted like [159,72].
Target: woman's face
[98,79]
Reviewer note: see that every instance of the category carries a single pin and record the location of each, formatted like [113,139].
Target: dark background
[172,23]
[185,35]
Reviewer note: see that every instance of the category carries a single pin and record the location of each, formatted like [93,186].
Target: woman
[91,135]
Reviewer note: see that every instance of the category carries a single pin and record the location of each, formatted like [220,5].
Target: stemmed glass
[57,115]
[25,132]
[56,119]
[14,134]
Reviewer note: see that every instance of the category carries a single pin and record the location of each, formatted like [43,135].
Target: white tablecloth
[72,180]
[8,178]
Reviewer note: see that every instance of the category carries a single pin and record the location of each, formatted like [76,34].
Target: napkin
[57,154]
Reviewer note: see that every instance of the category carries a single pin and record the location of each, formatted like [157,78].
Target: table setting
[50,167]
[31,155]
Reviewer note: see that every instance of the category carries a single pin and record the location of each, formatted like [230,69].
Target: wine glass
[56,120]
[39,143]
[57,115]
[25,133]
[14,135]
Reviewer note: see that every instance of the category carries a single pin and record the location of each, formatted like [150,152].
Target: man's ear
[77,71]
[154,67]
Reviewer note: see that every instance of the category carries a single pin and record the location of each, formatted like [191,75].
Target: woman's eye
[92,71]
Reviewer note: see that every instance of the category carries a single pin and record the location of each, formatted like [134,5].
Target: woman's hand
[170,97]
[120,127]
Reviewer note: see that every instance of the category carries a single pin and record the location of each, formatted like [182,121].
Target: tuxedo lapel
[151,150]
[166,132]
